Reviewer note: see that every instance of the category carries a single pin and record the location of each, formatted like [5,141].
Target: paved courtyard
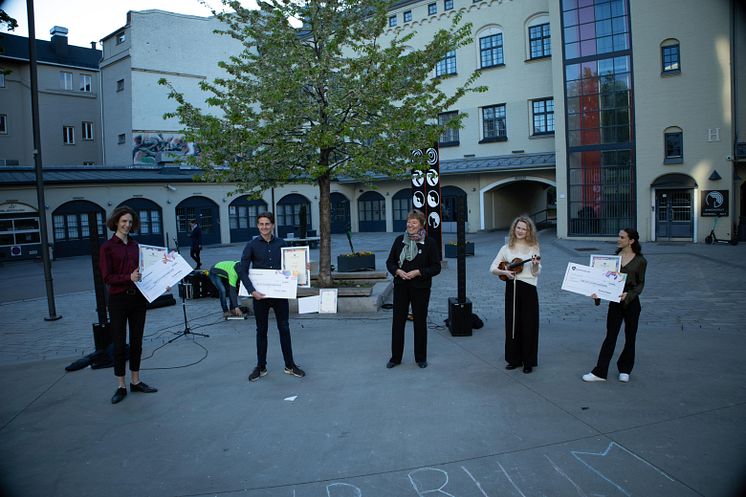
[462,427]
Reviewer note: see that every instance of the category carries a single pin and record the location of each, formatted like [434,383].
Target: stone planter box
[451,251]
[358,262]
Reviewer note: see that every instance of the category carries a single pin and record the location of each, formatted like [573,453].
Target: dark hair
[192,221]
[266,214]
[635,237]
[418,215]
[120,211]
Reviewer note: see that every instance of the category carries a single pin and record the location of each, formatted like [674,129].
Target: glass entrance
[673,211]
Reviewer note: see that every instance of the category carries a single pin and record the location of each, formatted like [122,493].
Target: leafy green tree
[335,98]
[10,24]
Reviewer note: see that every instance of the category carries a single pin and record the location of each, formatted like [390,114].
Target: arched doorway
[674,207]
[371,209]
[401,205]
[451,197]
[72,234]
[288,215]
[509,197]
[207,214]
[340,213]
[151,221]
[242,214]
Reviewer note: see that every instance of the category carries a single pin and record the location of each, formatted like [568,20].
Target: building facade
[599,114]
[69,102]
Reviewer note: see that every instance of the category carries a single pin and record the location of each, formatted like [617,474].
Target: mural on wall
[146,147]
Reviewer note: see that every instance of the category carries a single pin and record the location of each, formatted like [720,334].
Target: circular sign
[714,199]
[418,178]
[432,177]
[417,153]
[15,250]
[433,220]
[418,200]
[433,199]
[432,156]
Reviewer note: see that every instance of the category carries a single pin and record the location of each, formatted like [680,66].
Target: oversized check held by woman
[586,280]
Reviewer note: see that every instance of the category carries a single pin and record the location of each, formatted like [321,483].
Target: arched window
[539,39]
[673,145]
[670,57]
[288,215]
[371,208]
[401,205]
[490,46]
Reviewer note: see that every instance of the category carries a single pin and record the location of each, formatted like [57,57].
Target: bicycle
[712,237]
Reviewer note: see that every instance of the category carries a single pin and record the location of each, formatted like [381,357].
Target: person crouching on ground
[119,264]
[225,278]
[413,261]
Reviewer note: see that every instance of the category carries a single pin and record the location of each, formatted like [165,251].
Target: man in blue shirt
[264,252]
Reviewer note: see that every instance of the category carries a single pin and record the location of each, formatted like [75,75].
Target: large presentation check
[586,280]
[273,283]
[162,274]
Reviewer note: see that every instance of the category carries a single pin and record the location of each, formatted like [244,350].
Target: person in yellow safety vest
[225,278]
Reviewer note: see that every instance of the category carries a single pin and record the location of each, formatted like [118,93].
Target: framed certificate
[328,301]
[150,254]
[606,262]
[295,260]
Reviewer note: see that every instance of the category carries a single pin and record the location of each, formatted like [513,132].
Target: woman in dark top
[413,261]
[626,311]
[120,268]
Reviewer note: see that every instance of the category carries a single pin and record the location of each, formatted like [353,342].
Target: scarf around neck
[409,251]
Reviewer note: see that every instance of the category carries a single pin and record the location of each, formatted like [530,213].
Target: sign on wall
[714,203]
[426,192]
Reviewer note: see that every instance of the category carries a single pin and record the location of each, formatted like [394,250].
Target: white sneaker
[590,377]
[623,377]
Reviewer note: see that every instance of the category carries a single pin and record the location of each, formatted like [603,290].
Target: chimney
[59,40]
[93,45]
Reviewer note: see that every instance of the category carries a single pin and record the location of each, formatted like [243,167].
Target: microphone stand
[186,331]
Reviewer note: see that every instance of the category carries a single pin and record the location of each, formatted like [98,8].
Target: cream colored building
[599,114]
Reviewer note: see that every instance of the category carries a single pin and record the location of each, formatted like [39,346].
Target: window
[68,135]
[392,21]
[408,16]
[150,222]
[540,41]
[66,80]
[87,131]
[121,37]
[670,58]
[19,231]
[543,116]
[674,143]
[446,65]
[432,8]
[3,124]
[120,138]
[447,4]
[120,85]
[491,50]
[449,138]
[86,83]
[493,124]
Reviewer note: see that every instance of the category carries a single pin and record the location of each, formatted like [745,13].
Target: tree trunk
[325,232]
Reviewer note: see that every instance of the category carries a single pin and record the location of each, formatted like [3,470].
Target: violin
[516,265]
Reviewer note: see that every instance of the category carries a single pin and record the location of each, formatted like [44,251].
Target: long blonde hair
[531,239]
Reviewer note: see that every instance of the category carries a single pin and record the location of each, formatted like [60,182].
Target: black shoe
[422,364]
[392,364]
[527,369]
[510,367]
[119,395]
[295,371]
[142,387]
[257,373]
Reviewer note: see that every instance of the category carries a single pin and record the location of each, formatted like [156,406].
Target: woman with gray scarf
[413,261]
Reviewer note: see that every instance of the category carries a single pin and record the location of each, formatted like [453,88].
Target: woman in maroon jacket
[119,263]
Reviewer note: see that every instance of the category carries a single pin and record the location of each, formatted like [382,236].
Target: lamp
[170,188]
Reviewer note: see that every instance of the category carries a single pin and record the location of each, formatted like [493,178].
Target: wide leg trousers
[617,315]
[521,343]
[404,295]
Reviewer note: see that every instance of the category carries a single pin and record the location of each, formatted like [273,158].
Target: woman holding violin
[517,263]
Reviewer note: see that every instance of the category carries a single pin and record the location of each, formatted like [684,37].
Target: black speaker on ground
[163,301]
[101,336]
[201,286]
[459,317]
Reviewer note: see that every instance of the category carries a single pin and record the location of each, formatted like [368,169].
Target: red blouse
[117,261]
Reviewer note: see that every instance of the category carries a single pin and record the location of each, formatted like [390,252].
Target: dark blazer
[427,261]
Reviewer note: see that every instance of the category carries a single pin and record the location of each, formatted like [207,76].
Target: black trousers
[616,316]
[194,253]
[521,347]
[127,309]
[404,295]
[282,315]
